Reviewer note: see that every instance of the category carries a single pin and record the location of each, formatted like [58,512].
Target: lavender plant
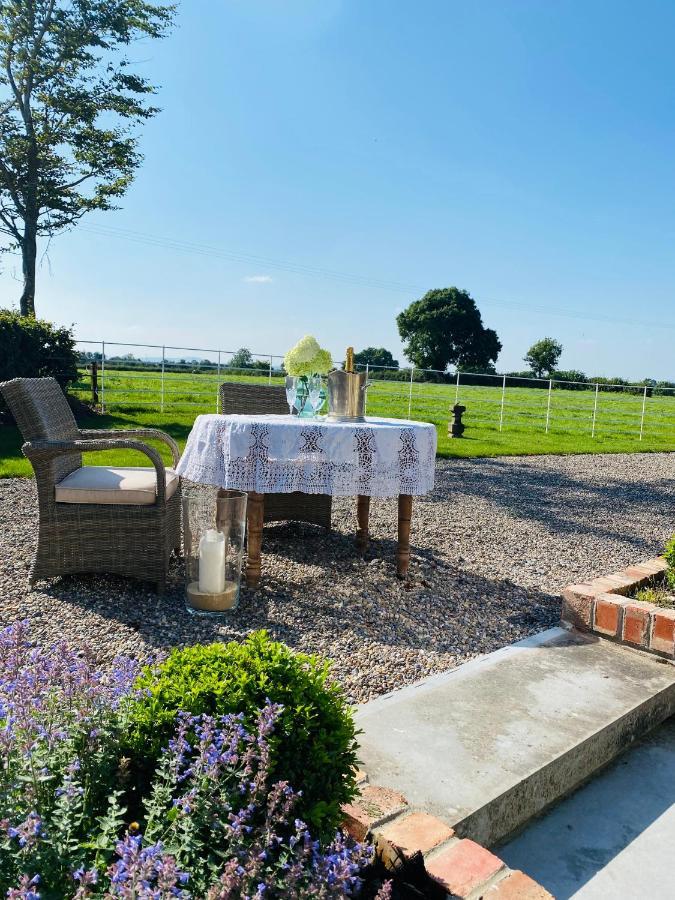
[212,826]
[60,721]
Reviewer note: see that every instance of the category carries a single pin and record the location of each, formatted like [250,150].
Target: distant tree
[445,327]
[242,359]
[261,365]
[570,379]
[542,357]
[488,369]
[376,356]
[68,99]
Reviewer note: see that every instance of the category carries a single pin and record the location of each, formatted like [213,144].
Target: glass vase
[302,402]
[214,529]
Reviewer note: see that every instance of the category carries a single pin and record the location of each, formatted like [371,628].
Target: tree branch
[10,78]
[9,225]
[46,22]
[11,188]
[68,187]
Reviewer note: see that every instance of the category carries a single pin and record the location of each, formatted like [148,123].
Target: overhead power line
[352,279]
[248,258]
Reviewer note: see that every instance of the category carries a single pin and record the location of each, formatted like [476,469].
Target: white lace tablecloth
[280,454]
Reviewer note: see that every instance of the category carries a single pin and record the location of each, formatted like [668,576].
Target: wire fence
[125,376]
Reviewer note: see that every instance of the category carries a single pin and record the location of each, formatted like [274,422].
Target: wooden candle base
[201,601]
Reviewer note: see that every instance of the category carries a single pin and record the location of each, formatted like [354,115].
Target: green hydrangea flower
[307,358]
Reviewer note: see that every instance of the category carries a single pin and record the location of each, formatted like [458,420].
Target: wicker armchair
[260,399]
[94,518]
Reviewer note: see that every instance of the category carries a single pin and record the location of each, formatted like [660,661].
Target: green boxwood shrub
[314,746]
[32,348]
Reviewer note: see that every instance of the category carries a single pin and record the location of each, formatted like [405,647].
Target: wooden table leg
[255,511]
[362,515]
[404,519]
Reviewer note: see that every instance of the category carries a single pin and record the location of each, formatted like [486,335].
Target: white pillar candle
[212,562]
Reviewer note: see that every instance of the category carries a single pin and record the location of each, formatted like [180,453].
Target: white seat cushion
[136,485]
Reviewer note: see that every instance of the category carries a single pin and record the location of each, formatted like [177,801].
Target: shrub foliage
[211,824]
[313,747]
[32,348]
[670,559]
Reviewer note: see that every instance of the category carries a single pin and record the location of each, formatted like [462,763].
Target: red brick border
[600,606]
[460,867]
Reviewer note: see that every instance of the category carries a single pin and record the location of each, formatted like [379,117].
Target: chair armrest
[121,434]
[46,450]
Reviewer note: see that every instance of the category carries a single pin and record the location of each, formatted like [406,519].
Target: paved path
[614,838]
[491,744]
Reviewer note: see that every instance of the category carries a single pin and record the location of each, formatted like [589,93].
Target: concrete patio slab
[615,836]
[491,744]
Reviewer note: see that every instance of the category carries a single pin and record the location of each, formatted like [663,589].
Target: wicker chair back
[241,399]
[42,412]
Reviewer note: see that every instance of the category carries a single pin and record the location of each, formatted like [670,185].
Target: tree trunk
[30,229]
[29,257]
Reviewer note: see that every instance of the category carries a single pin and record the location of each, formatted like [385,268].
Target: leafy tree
[376,356]
[242,359]
[542,357]
[68,103]
[488,369]
[445,327]
[570,379]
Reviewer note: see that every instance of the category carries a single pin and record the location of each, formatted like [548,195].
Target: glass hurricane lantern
[214,529]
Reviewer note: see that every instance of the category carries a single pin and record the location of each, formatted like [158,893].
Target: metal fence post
[94,383]
[644,407]
[501,410]
[270,378]
[548,407]
[161,398]
[218,386]
[103,376]
[457,389]
[412,373]
[365,397]
[595,409]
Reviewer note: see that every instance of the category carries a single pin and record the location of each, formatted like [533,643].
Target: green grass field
[135,398]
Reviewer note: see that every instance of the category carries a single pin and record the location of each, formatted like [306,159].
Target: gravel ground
[492,547]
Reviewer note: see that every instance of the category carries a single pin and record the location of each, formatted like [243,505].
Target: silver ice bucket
[346,396]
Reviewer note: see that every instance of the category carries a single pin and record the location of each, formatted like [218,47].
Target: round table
[264,454]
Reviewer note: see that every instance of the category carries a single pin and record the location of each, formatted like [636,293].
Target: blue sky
[338,158]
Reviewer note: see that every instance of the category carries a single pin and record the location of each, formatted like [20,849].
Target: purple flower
[145,872]
[34,680]
[86,880]
[28,832]
[25,889]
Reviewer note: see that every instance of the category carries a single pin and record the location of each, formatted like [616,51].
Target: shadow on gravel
[445,612]
[317,594]
[564,504]
[311,544]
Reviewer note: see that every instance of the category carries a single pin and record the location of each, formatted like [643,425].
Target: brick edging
[600,606]
[458,866]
